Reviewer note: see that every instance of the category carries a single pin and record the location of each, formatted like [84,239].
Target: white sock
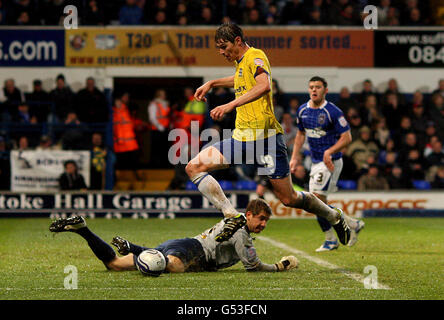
[313,204]
[211,189]
[330,235]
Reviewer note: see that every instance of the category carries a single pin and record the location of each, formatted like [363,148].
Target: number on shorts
[320,177]
[268,161]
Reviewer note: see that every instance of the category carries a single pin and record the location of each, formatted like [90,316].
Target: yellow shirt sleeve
[257,61]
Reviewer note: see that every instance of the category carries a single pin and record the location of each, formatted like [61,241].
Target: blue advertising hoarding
[32,48]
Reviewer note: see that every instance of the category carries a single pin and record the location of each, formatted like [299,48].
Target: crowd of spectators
[211,12]
[56,120]
[38,106]
[397,137]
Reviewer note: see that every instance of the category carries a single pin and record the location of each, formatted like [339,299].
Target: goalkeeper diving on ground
[200,253]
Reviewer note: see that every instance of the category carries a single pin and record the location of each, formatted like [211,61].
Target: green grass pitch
[408,254]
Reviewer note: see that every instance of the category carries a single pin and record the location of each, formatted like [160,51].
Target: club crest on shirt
[259,62]
[251,252]
[342,121]
[321,118]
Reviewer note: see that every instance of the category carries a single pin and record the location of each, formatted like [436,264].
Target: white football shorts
[322,180]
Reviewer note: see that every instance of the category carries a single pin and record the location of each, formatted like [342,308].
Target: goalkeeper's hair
[257,206]
[228,32]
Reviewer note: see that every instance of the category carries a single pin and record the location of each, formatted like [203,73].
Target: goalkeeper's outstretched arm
[286,263]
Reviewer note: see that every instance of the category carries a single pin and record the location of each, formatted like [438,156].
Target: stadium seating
[126,175]
[155,179]
[347,185]
[246,185]
[226,185]
[422,185]
[125,180]
[143,180]
[123,185]
[142,174]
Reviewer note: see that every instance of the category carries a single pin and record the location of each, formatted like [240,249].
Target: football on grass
[151,263]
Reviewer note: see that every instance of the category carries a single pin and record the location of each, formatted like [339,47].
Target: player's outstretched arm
[286,263]
[227,82]
[249,258]
[298,142]
[261,87]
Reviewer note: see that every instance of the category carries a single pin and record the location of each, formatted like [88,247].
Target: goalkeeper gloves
[287,263]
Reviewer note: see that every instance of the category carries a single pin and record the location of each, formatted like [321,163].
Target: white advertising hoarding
[40,170]
[354,203]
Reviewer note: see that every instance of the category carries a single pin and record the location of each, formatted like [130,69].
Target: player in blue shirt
[328,132]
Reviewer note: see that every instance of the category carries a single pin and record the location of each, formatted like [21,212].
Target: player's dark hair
[228,32]
[258,205]
[317,78]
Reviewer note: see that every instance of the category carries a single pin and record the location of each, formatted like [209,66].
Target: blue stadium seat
[246,185]
[190,186]
[226,185]
[347,185]
[422,185]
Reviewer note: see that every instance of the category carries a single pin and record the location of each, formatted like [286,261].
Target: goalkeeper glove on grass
[287,263]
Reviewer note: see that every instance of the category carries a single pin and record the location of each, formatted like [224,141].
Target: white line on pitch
[355,276]
[168,288]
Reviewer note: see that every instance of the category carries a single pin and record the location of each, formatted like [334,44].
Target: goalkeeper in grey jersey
[239,247]
[201,253]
